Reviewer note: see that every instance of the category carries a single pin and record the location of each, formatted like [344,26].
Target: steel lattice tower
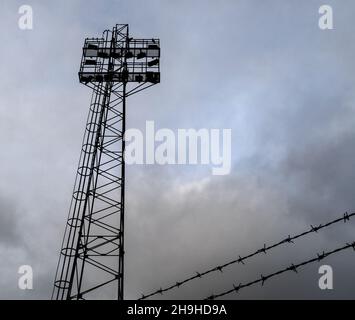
[91,263]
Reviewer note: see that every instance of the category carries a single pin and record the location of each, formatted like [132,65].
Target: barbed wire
[293,267]
[346,217]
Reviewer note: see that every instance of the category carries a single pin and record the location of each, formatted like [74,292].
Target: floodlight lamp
[153,62]
[141,55]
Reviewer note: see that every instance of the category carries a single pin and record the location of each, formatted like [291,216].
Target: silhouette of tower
[91,263]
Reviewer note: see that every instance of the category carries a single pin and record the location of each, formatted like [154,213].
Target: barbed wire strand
[293,267]
[346,217]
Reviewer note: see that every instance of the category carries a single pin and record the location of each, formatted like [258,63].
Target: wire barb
[237,288]
[315,229]
[288,239]
[220,268]
[263,249]
[263,279]
[240,260]
[346,217]
[293,268]
[321,256]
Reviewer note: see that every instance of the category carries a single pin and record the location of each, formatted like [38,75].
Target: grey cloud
[9,233]
[264,70]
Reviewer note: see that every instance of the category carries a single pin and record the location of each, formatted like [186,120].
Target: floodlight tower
[91,263]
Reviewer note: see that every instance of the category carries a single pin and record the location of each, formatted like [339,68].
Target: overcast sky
[262,68]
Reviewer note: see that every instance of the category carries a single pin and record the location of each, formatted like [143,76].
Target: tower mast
[91,263]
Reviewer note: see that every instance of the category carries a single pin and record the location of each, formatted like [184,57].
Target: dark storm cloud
[9,232]
[263,69]
[323,175]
